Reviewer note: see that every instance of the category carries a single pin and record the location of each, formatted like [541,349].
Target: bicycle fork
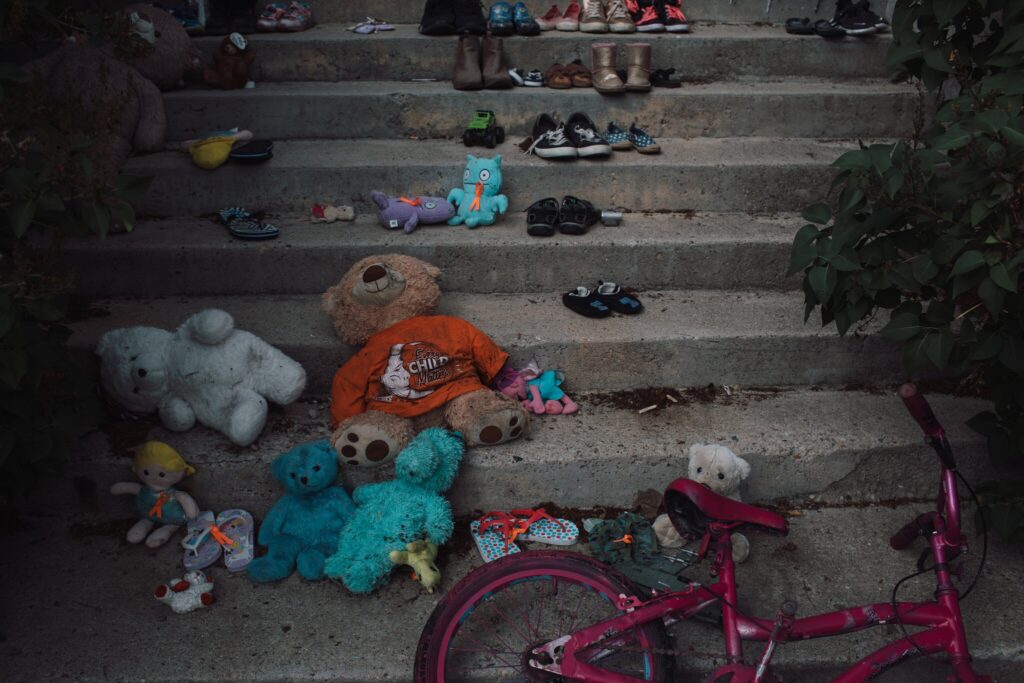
[783,624]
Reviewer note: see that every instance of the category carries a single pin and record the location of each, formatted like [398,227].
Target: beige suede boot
[638,65]
[603,70]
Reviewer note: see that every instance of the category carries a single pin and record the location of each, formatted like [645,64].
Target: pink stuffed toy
[540,392]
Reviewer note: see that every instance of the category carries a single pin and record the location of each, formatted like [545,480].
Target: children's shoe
[549,140]
[201,548]
[542,218]
[570,21]
[581,300]
[642,142]
[854,18]
[271,16]
[469,17]
[645,16]
[500,22]
[584,136]
[672,16]
[612,296]
[593,20]
[526,25]
[298,17]
[438,18]
[619,20]
[575,216]
[533,79]
[617,138]
[234,532]
[549,22]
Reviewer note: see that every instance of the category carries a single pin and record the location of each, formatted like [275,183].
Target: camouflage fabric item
[628,543]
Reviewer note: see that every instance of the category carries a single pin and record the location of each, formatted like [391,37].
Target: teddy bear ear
[470,157]
[694,447]
[497,161]
[744,467]
[280,466]
[105,342]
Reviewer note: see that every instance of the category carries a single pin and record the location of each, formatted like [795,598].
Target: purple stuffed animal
[407,213]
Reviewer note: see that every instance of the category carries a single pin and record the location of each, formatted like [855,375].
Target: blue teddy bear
[393,513]
[478,200]
[301,530]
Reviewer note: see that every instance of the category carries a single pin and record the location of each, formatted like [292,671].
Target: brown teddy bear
[172,55]
[415,370]
[232,63]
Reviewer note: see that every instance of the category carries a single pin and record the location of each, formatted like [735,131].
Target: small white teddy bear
[206,372]
[721,470]
[191,592]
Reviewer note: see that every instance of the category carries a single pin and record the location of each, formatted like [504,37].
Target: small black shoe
[542,217]
[549,140]
[854,18]
[583,134]
[469,17]
[438,18]
[575,216]
[581,300]
[612,296]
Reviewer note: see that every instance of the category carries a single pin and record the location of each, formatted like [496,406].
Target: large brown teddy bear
[173,55]
[415,370]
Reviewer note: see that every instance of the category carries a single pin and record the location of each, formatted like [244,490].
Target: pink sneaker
[298,17]
[549,21]
[570,21]
[270,17]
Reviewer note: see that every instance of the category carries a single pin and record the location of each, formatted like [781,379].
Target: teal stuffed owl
[478,200]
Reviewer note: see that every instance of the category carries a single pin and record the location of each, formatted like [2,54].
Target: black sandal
[612,296]
[541,217]
[827,29]
[662,78]
[576,215]
[800,27]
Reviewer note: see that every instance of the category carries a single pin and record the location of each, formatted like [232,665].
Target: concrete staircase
[706,239]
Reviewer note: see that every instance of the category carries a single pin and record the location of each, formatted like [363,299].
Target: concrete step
[386,109]
[330,52]
[824,445]
[663,251]
[84,610]
[737,11]
[684,338]
[752,175]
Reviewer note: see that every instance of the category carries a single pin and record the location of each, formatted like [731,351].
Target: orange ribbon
[475,206]
[221,537]
[411,202]
[627,539]
[158,506]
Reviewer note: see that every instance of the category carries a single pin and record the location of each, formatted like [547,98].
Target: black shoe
[583,134]
[854,18]
[469,17]
[438,18]
[549,140]
[612,296]
[575,216]
[581,300]
[541,218]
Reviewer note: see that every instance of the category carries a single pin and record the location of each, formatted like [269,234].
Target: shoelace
[587,134]
[554,137]
[594,10]
[674,12]
[616,10]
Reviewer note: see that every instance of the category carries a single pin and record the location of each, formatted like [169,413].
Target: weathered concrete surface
[656,251]
[823,445]
[80,607]
[330,52]
[703,174]
[382,109]
[683,338]
[741,11]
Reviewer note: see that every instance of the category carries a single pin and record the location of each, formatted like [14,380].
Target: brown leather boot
[638,66]
[603,71]
[467,64]
[495,64]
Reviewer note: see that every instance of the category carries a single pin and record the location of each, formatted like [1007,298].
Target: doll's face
[517,389]
[158,478]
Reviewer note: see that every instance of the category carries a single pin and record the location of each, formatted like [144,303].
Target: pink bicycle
[558,616]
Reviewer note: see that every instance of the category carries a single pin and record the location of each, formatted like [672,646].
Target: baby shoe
[298,17]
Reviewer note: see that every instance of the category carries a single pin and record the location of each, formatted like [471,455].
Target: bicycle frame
[944,630]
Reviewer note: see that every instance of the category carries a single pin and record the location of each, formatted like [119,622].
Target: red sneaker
[673,17]
[645,16]
[570,21]
[549,21]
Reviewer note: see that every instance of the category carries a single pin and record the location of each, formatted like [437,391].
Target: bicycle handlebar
[917,527]
[921,411]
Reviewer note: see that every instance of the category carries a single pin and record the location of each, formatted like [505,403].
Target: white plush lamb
[206,371]
[721,470]
[191,592]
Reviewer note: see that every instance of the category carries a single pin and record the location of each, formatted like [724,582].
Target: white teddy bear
[191,592]
[206,371]
[721,470]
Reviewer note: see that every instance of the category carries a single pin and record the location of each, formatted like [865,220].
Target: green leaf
[845,263]
[851,198]
[19,216]
[132,188]
[924,269]
[902,327]
[945,10]
[945,249]
[1007,279]
[968,261]
[823,281]
[893,184]
[854,159]
[987,346]
[967,281]
[898,54]
[818,213]
[937,347]
[992,296]
[992,119]
[803,252]
[979,210]
[954,138]
[938,60]
[1013,136]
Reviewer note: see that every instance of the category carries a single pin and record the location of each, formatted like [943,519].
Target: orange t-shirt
[415,366]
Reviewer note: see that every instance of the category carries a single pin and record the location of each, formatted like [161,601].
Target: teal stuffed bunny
[391,514]
[478,200]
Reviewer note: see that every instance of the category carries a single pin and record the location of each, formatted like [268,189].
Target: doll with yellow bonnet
[162,507]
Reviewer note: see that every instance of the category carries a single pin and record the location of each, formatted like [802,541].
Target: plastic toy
[392,514]
[191,592]
[301,530]
[478,200]
[420,556]
[409,212]
[540,392]
[159,467]
[483,130]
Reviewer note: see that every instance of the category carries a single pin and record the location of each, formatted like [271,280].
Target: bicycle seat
[691,506]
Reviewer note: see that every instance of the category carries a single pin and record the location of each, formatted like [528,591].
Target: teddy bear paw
[497,427]
[365,444]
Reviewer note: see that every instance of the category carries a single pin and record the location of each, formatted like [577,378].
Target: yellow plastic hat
[211,152]
[158,453]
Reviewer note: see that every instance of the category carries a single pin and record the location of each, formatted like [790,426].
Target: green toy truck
[483,130]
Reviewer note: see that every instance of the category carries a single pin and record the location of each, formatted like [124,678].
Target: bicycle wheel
[487,625]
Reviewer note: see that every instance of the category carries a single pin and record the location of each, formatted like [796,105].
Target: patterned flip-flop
[490,543]
[552,532]
[201,549]
[234,532]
